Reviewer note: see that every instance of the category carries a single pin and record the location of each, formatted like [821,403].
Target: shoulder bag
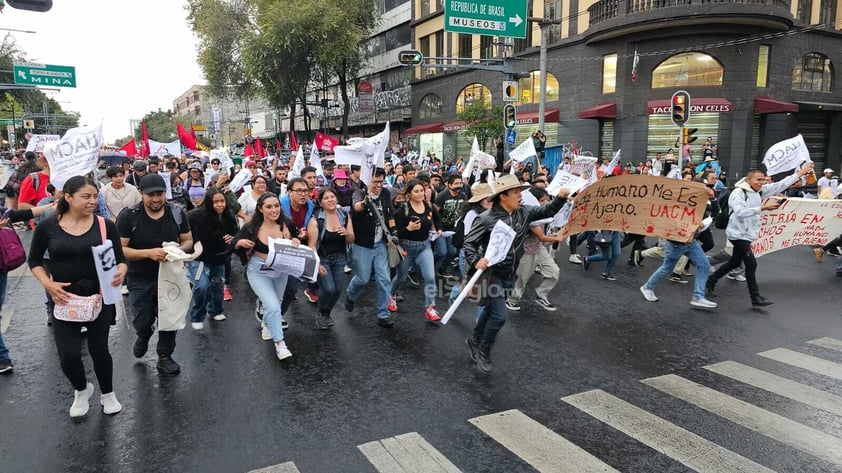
[79,308]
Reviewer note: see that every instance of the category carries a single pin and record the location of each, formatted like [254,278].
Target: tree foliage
[483,121]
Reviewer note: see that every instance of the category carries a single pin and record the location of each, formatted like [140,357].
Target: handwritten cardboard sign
[644,205]
[798,222]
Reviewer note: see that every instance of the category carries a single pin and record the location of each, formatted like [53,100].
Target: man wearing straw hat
[501,277]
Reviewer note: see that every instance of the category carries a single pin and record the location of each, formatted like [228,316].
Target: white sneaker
[124,290]
[738,277]
[110,405]
[197,325]
[575,259]
[282,351]
[648,294]
[80,401]
[265,333]
[703,303]
[219,317]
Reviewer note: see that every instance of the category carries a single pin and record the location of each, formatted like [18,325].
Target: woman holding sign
[268,222]
[69,236]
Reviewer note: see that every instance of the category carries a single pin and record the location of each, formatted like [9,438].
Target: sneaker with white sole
[197,325]
[282,351]
[219,317]
[258,310]
[702,302]
[110,405]
[265,334]
[736,277]
[575,259]
[546,304]
[648,294]
[80,405]
[513,305]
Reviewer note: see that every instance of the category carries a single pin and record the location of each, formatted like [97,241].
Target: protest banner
[798,222]
[523,151]
[284,259]
[565,180]
[242,177]
[368,153]
[786,155]
[76,154]
[643,205]
[156,148]
[37,142]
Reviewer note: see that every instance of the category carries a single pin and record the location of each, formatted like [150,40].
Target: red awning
[454,126]
[697,104]
[766,105]
[603,110]
[423,128]
[529,118]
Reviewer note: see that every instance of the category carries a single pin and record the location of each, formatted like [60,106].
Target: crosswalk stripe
[288,467]
[671,440]
[537,445]
[827,342]
[406,453]
[796,391]
[807,439]
[803,361]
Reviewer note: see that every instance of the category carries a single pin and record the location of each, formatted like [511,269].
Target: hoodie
[745,203]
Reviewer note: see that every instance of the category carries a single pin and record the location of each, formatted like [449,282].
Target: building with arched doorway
[758,71]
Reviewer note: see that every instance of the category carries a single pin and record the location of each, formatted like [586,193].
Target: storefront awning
[766,105]
[603,110]
[454,126]
[423,128]
[697,104]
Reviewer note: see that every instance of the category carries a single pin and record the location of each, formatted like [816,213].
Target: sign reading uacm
[45,74]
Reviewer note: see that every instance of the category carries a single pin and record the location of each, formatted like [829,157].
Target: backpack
[177,213]
[724,215]
[12,252]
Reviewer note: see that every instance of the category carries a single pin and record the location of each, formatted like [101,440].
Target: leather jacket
[477,239]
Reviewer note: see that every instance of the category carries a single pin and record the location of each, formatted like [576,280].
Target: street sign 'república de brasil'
[486,17]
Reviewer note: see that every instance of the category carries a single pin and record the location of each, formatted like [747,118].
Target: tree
[483,121]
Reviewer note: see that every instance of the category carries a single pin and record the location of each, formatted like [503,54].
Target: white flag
[368,153]
[316,160]
[615,160]
[76,154]
[469,168]
[786,155]
[298,164]
[523,151]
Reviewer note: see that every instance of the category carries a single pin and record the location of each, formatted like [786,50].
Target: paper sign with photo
[284,259]
[499,243]
[566,180]
[240,180]
[106,267]
[583,165]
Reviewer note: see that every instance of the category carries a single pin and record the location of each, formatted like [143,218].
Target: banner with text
[643,205]
[786,155]
[798,222]
[76,154]
[37,142]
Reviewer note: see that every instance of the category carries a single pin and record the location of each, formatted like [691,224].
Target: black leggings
[68,337]
[742,255]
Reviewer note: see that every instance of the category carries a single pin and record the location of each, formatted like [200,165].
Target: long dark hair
[258,218]
[71,187]
[208,213]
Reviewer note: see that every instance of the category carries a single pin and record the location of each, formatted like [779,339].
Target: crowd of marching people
[419,222]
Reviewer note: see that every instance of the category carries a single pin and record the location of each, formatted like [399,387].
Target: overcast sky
[131,57]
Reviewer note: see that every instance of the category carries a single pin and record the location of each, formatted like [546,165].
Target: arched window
[686,70]
[813,71]
[430,107]
[529,88]
[471,94]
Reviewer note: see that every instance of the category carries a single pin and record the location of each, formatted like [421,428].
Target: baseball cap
[139,165]
[195,166]
[152,183]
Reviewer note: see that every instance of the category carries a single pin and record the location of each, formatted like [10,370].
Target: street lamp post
[544,24]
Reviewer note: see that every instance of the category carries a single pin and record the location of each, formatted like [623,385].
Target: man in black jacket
[500,277]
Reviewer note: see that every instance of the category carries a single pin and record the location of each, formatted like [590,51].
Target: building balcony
[614,18]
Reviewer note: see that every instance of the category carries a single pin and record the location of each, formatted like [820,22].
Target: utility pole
[545,24]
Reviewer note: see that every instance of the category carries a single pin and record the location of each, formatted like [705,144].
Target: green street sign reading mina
[45,74]
[486,17]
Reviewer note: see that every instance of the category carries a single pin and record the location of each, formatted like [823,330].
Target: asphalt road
[362,398]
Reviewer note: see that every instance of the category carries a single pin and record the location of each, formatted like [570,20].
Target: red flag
[248,152]
[325,142]
[293,145]
[258,147]
[144,136]
[187,140]
[277,146]
[130,148]
[193,133]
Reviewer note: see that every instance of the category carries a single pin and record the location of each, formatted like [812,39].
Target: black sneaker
[546,304]
[761,301]
[284,323]
[258,311]
[483,361]
[710,289]
[608,277]
[586,264]
[412,280]
[349,304]
[167,365]
[140,347]
[321,322]
[6,366]
[675,277]
[472,344]
[385,322]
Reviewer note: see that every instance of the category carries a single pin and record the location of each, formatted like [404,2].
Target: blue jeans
[207,289]
[270,291]
[457,288]
[610,252]
[330,285]
[673,251]
[366,260]
[418,253]
[494,312]
[4,353]
[445,252]
[838,269]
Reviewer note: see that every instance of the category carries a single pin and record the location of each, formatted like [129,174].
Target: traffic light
[687,135]
[680,109]
[509,116]
[410,57]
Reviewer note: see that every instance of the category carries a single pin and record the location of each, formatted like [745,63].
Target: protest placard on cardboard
[643,205]
[798,222]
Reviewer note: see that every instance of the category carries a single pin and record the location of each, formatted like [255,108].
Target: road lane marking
[407,453]
[673,441]
[288,467]
[807,439]
[827,342]
[537,445]
[807,362]
[785,387]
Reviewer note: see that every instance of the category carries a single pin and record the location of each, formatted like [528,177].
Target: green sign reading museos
[486,17]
